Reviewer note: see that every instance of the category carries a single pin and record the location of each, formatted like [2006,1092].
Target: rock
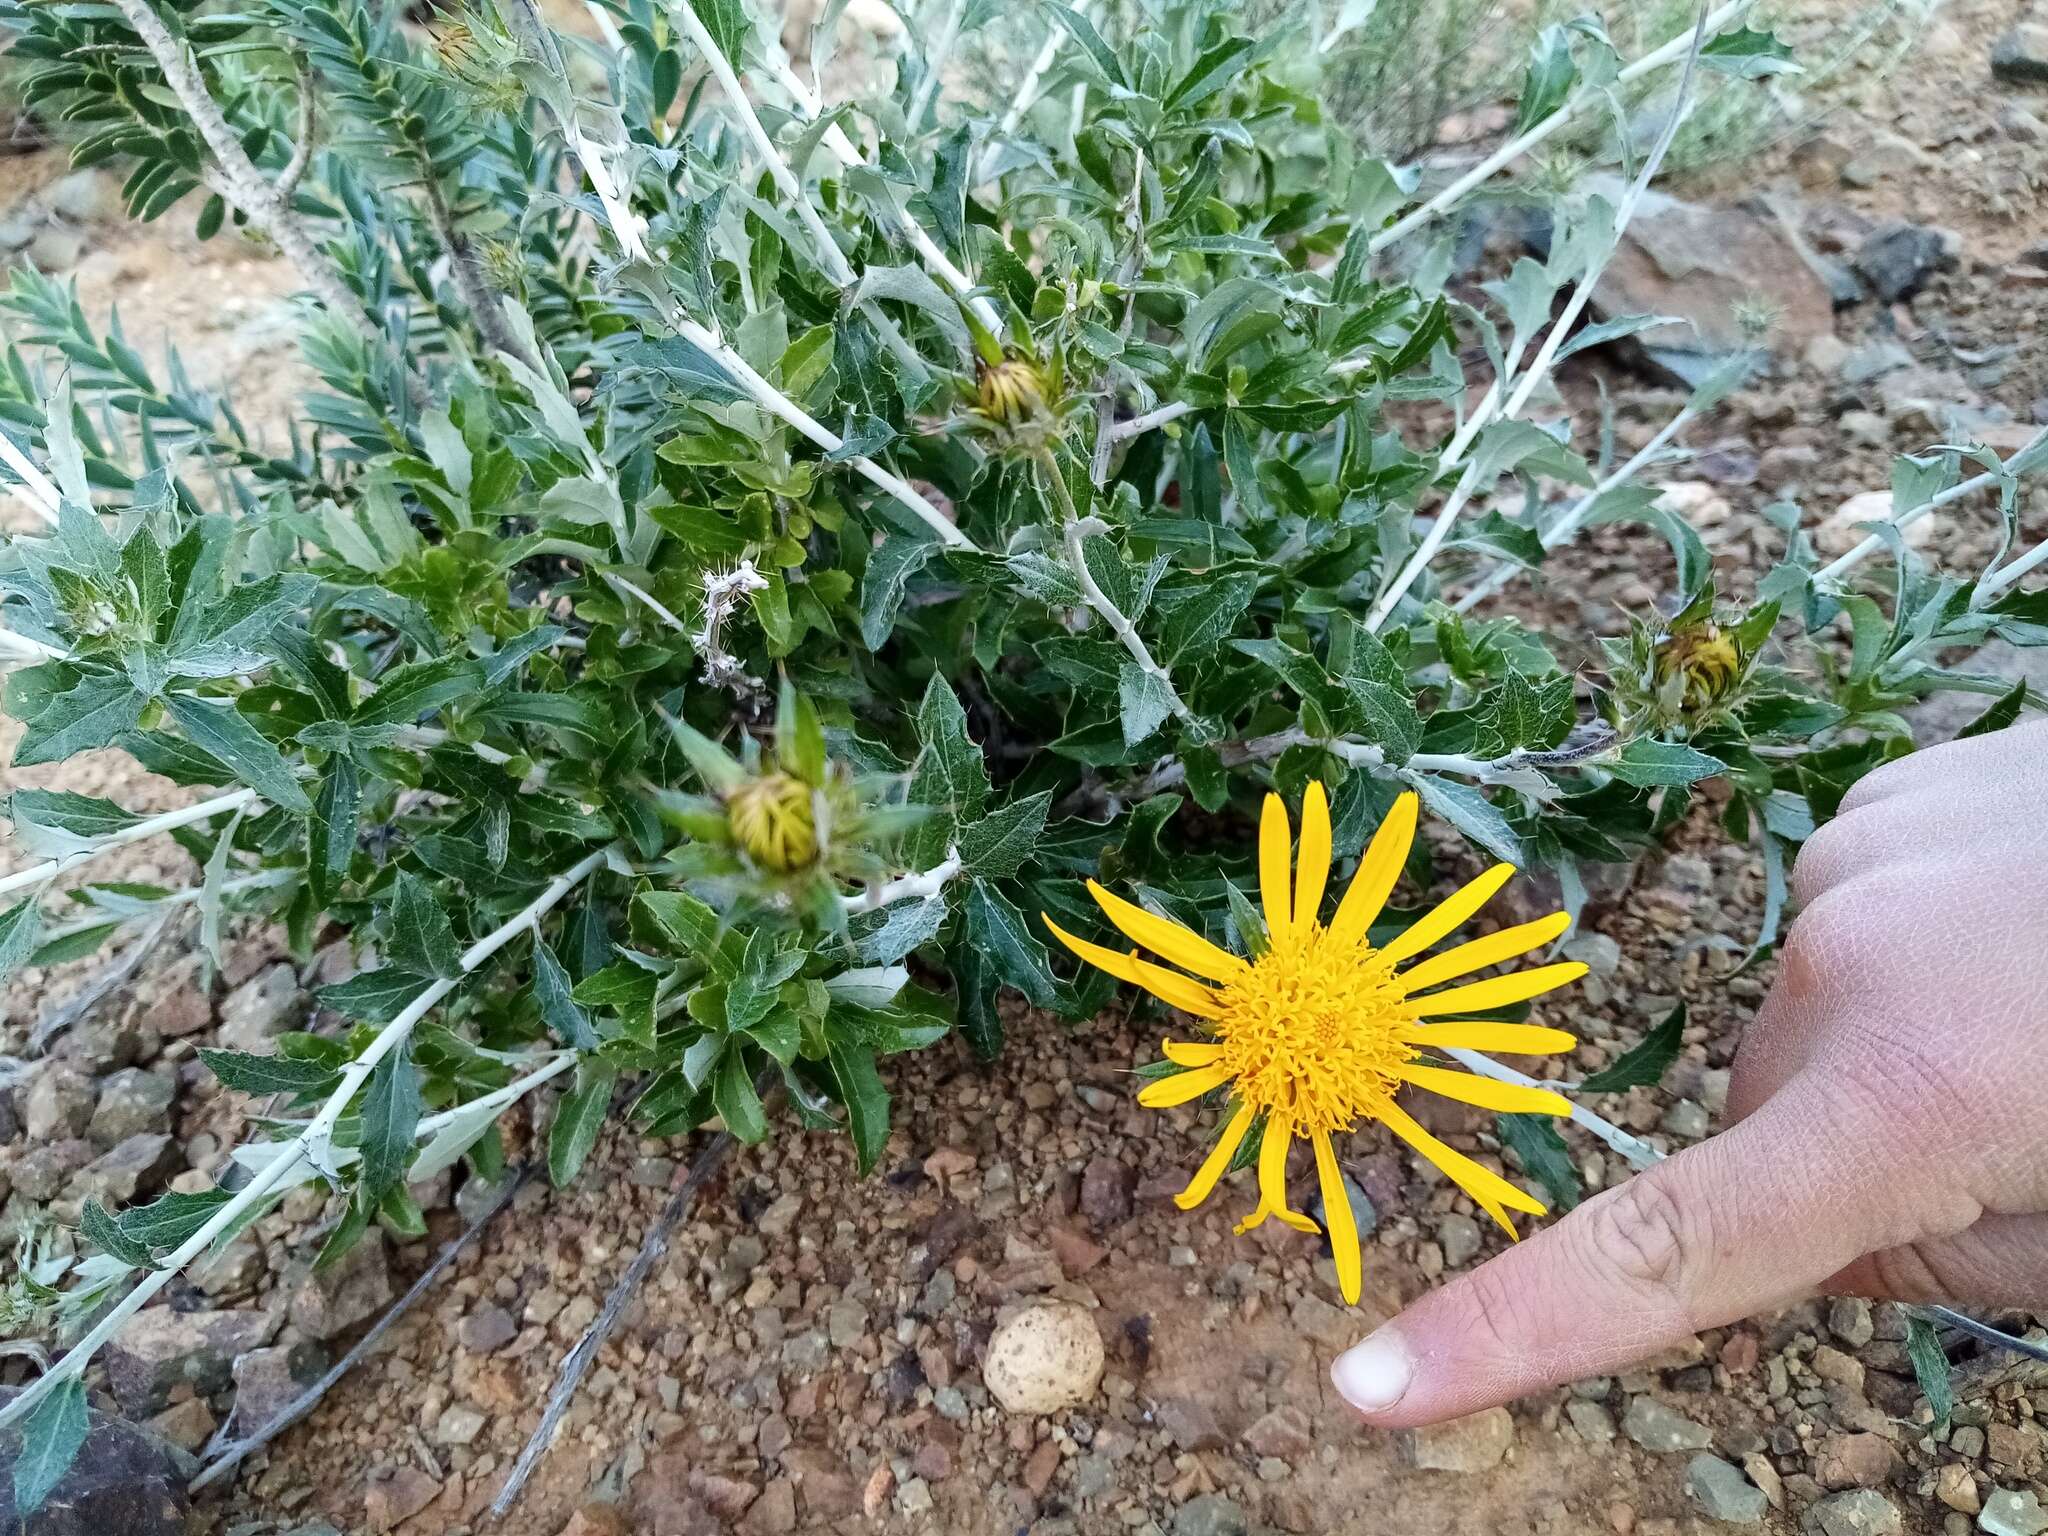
[1708,266]
[46,1168]
[1211,1514]
[914,1497]
[1597,952]
[1863,1512]
[267,1380]
[259,1009]
[234,1271]
[1106,1186]
[89,196]
[158,1348]
[57,1106]
[187,1425]
[1831,1364]
[595,1519]
[2009,1512]
[846,1323]
[353,1290]
[123,1481]
[1189,1423]
[1898,259]
[395,1495]
[1593,1422]
[774,1512]
[1957,1489]
[780,1217]
[132,1101]
[486,1329]
[1850,1320]
[1284,1433]
[135,1167]
[824,1486]
[1784,464]
[1077,1254]
[1474,1443]
[55,249]
[1046,1357]
[2021,54]
[1685,1120]
[459,1424]
[1458,1235]
[1656,1427]
[1840,531]
[1723,1492]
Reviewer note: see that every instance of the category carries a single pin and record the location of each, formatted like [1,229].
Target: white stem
[833,259]
[1105,606]
[23,645]
[1638,1152]
[1139,425]
[940,265]
[1566,528]
[654,604]
[38,490]
[260,880]
[1585,96]
[50,869]
[607,28]
[1872,544]
[499,1098]
[922,886]
[1027,88]
[1546,354]
[303,1148]
[777,404]
[934,65]
[629,229]
[2009,573]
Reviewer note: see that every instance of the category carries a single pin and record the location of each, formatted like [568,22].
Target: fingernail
[1374,1375]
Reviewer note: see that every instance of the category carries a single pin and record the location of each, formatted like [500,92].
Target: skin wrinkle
[1885,1127]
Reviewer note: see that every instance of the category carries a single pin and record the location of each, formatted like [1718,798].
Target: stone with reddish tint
[1106,1188]
[1475,1443]
[395,1495]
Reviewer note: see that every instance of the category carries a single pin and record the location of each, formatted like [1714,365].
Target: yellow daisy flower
[1321,1030]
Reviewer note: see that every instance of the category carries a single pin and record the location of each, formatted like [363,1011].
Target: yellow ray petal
[1273,862]
[1481,1035]
[1456,907]
[1502,1098]
[1343,1224]
[1508,944]
[1488,1188]
[1273,1151]
[1166,938]
[1204,1181]
[1170,987]
[1190,1053]
[1497,991]
[1312,858]
[1182,1086]
[1377,871]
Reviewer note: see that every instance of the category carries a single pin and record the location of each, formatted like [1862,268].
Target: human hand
[1891,1120]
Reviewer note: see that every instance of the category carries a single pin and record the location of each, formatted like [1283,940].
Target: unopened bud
[1011,392]
[1706,658]
[772,821]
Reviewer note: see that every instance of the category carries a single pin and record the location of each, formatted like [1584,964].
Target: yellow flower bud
[1706,658]
[1011,392]
[771,820]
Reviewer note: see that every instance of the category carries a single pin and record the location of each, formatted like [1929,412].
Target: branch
[923,887]
[577,1363]
[480,296]
[1872,544]
[294,170]
[234,175]
[1566,528]
[629,230]
[2009,573]
[50,869]
[37,488]
[1027,88]
[1127,277]
[941,266]
[1539,366]
[1072,528]
[1585,96]
[232,1454]
[934,66]
[309,1146]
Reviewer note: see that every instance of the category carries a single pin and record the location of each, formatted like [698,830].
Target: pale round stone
[1045,1358]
